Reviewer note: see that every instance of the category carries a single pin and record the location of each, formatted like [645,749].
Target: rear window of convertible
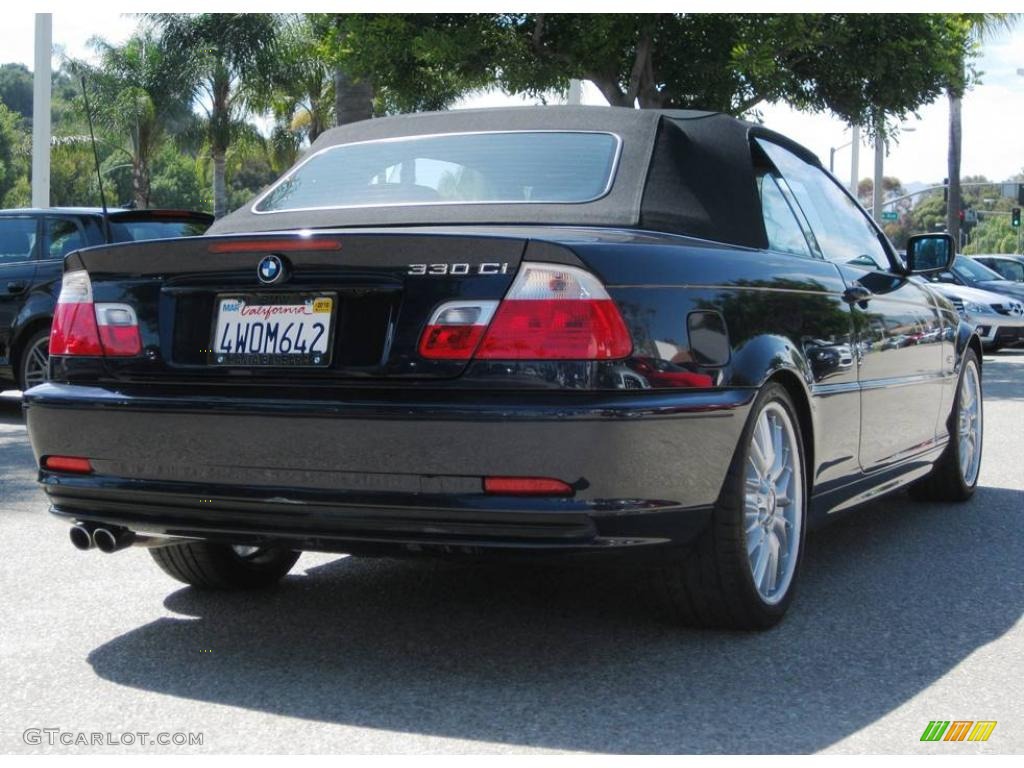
[494,167]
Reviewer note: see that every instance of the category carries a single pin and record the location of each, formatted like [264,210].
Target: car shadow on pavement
[17,464]
[891,599]
[1003,382]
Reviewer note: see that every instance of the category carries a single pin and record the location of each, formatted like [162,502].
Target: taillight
[555,312]
[72,464]
[526,486]
[455,329]
[82,328]
[119,330]
[551,312]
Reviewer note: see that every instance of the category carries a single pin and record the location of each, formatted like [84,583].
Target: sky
[993,112]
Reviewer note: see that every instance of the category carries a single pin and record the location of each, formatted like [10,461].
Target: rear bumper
[401,472]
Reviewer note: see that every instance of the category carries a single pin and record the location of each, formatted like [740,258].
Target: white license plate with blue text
[279,329]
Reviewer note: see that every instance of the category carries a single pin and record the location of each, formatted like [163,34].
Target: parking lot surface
[906,613]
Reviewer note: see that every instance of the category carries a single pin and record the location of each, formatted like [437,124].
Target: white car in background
[997,319]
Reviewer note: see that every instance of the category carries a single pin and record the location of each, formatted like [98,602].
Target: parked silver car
[997,319]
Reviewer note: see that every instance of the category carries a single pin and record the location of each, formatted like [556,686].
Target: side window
[17,239]
[62,237]
[842,230]
[784,233]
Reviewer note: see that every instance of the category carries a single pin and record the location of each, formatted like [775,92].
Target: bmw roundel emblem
[270,269]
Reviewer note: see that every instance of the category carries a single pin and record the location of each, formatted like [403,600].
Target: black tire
[946,481]
[25,356]
[712,585]
[208,565]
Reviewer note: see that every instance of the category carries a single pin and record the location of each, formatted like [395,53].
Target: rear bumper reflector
[526,486]
[71,464]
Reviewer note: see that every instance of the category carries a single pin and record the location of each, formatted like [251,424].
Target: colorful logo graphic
[958,730]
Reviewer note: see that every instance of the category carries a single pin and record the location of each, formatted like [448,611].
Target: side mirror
[930,253]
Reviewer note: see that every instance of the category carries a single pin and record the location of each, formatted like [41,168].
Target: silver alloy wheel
[245,551]
[970,425]
[773,502]
[35,368]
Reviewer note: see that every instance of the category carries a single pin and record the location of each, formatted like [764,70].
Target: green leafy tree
[225,60]
[864,68]
[16,89]
[13,150]
[301,96]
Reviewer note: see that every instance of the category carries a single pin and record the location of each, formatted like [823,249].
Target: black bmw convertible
[668,336]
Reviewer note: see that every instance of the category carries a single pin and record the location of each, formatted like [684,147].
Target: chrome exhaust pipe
[81,537]
[112,539]
[109,540]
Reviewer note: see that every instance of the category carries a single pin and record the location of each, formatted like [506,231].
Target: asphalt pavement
[906,613]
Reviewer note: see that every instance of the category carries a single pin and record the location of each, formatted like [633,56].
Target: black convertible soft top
[680,171]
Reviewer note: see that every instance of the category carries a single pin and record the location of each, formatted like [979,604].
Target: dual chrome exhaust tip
[112,538]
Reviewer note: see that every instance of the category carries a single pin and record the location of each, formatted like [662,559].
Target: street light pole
[41,112]
[876,192]
[855,161]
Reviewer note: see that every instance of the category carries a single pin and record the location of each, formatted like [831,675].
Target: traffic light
[1015,217]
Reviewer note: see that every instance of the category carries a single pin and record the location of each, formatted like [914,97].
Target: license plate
[293,329]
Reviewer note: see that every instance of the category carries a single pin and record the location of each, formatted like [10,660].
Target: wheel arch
[794,385]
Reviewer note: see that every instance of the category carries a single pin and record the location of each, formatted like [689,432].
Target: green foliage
[16,89]
[14,149]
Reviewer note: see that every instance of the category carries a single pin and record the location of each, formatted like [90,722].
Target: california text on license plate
[291,329]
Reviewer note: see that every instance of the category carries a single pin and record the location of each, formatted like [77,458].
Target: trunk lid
[382,288]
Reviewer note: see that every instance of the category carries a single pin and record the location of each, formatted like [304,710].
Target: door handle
[856,294]
[17,286]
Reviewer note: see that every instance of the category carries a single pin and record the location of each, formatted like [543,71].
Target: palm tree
[225,59]
[136,102]
[981,27]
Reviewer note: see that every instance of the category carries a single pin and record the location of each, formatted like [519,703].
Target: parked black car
[532,331]
[33,244]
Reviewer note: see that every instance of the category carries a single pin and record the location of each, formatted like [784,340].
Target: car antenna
[96,158]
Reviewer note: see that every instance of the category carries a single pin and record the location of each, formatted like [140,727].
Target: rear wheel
[955,475]
[208,565]
[33,368]
[741,572]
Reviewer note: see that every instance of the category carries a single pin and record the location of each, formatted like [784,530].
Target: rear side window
[781,225]
[17,239]
[500,167]
[132,231]
[841,229]
[62,237]
[1011,270]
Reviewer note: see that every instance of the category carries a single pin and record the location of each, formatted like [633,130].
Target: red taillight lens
[555,312]
[455,330]
[72,464]
[526,486]
[556,329]
[82,328]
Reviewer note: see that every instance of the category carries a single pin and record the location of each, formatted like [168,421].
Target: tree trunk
[140,184]
[220,188]
[353,99]
[953,169]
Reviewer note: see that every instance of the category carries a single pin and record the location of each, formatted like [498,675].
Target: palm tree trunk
[220,188]
[353,99]
[140,185]
[953,169]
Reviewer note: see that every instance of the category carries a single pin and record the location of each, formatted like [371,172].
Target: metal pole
[575,92]
[41,112]
[876,193]
[832,160]
[855,161]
